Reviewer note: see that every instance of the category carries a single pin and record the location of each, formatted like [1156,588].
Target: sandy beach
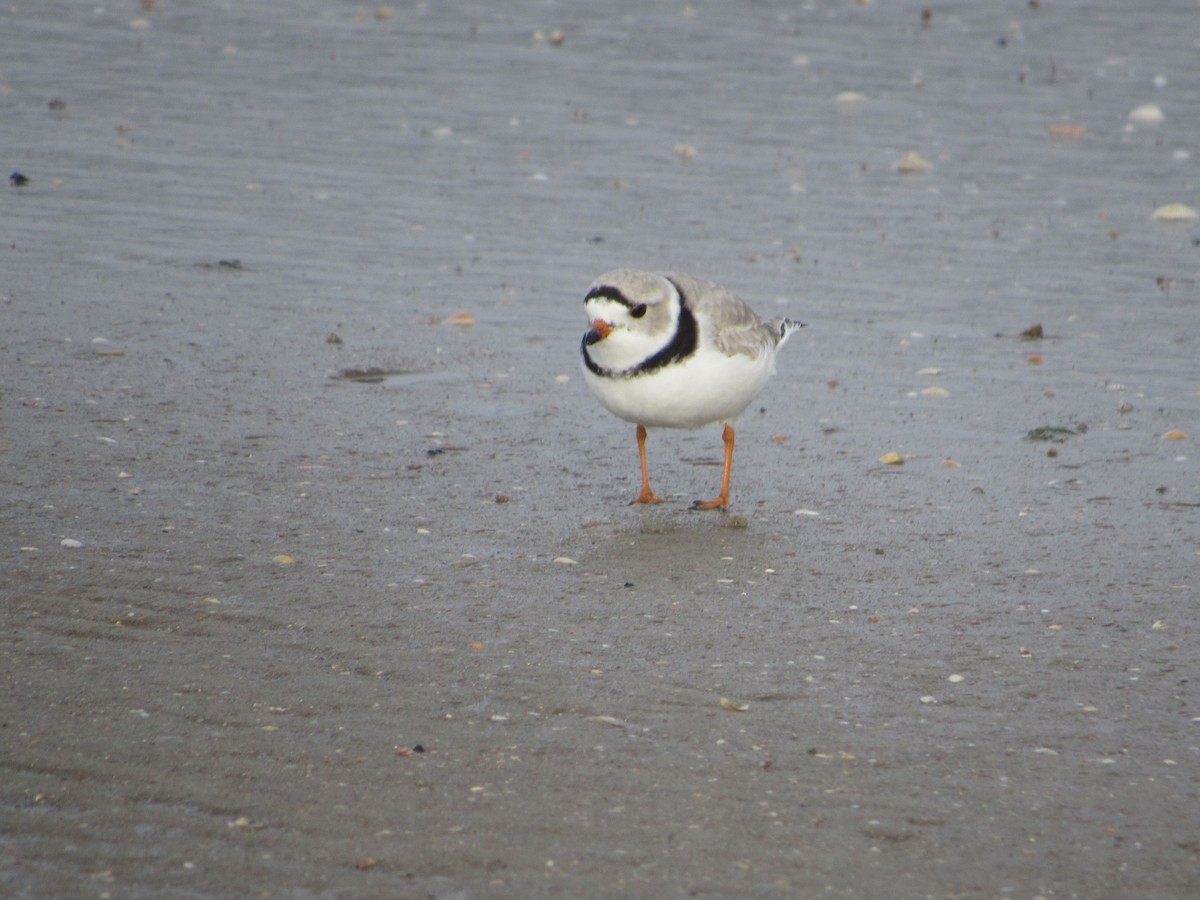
[319,573]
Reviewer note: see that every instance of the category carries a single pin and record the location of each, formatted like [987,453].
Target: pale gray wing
[734,327]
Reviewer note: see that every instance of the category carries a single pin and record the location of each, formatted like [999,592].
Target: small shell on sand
[1148,114]
[1175,212]
[912,163]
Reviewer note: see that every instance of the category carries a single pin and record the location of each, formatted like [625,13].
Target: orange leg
[647,495]
[721,501]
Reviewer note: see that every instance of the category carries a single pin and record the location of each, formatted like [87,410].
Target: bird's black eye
[638,311]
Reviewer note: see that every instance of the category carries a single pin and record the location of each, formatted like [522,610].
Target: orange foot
[721,501]
[648,496]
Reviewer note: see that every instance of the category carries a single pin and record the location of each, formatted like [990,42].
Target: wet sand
[241,587]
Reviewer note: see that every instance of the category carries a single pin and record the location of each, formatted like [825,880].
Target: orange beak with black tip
[598,332]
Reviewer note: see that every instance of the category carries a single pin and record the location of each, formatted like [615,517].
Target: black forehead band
[608,292]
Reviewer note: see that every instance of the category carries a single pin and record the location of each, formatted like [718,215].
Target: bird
[668,350]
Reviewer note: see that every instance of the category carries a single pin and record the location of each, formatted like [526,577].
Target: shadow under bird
[666,350]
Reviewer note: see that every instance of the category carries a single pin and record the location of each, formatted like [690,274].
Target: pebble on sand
[1067,131]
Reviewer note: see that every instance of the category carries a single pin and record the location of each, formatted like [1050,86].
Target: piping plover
[673,351]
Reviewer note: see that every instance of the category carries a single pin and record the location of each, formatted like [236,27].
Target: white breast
[708,387]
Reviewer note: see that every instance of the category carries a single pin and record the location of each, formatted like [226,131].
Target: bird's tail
[784,328]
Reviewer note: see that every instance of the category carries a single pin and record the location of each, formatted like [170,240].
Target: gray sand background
[975,674]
